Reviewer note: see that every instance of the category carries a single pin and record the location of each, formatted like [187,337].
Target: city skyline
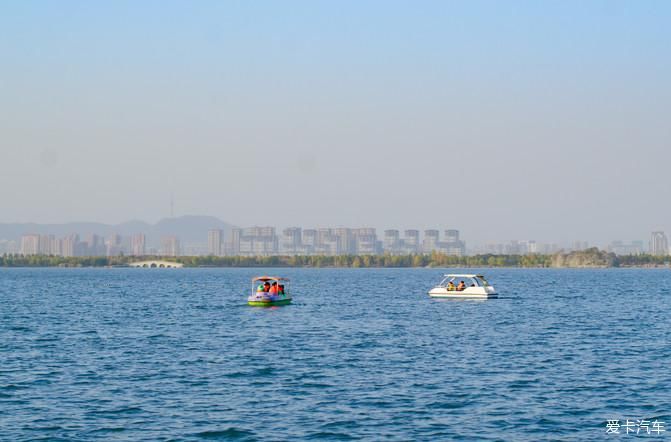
[395,220]
[511,119]
[202,221]
[269,240]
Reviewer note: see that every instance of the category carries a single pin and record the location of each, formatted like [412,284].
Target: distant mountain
[189,229]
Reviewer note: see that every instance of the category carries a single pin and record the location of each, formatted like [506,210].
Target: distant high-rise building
[659,244]
[258,241]
[56,246]
[95,246]
[515,247]
[455,248]
[170,246]
[292,241]
[325,242]
[430,243]
[620,248]
[309,240]
[114,245]
[9,247]
[452,245]
[346,243]
[328,243]
[532,246]
[138,244]
[366,241]
[234,248]
[391,242]
[411,241]
[46,244]
[214,241]
[549,248]
[452,235]
[30,244]
[69,245]
[580,245]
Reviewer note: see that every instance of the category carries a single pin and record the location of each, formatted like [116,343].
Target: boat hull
[267,300]
[464,296]
[469,292]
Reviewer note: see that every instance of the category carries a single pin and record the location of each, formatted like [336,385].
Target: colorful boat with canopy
[269,291]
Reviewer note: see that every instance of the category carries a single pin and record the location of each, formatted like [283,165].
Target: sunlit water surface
[158,354]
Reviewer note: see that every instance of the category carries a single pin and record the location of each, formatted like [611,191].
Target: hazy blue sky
[546,120]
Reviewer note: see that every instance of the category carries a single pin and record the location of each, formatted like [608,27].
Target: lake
[362,354]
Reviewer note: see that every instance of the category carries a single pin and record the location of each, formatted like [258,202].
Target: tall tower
[172,204]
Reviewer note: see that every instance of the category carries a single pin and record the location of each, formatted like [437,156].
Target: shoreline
[336,267]
[590,259]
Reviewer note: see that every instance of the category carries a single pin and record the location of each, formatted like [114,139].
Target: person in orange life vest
[273,289]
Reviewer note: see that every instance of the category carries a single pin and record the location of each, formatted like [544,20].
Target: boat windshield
[270,284]
[454,279]
[445,281]
[476,281]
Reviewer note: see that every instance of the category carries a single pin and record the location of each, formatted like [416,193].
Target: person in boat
[260,289]
[461,286]
[450,286]
[266,286]
[281,289]
[273,289]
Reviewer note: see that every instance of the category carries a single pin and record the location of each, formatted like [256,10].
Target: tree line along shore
[590,258]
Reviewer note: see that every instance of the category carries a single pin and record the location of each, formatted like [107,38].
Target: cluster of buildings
[630,248]
[95,245]
[264,241]
[518,247]
[657,246]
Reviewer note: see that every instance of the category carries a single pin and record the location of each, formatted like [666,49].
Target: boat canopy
[478,280]
[269,278]
[463,276]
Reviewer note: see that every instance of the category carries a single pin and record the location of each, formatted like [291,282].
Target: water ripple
[363,354]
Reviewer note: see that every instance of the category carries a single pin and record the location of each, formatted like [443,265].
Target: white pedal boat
[474,286]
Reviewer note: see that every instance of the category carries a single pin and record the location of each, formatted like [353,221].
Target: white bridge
[157,264]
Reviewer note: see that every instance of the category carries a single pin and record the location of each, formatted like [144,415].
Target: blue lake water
[158,354]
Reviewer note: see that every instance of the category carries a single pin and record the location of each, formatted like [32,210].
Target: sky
[507,120]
